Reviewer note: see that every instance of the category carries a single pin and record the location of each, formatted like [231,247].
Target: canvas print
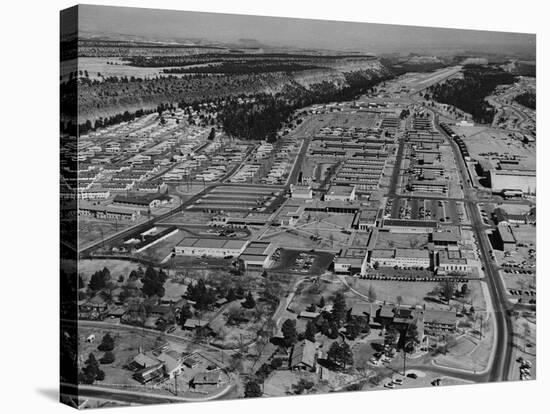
[261,207]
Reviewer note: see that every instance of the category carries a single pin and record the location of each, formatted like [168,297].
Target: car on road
[389,385]
[412,375]
[398,381]
[171,329]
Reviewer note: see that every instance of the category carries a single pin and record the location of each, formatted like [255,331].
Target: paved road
[504,331]
[132,397]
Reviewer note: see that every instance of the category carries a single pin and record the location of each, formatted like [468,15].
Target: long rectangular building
[191,246]
[400,258]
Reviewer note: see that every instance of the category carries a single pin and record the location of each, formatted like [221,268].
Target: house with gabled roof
[304,356]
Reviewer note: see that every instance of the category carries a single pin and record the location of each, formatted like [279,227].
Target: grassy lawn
[414,293]
[117,267]
[90,230]
[127,345]
[387,240]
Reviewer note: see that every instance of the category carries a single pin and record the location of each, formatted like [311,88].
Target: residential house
[304,355]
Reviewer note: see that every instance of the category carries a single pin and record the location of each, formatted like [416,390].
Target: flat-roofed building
[452,261]
[350,260]
[365,219]
[107,212]
[513,176]
[302,192]
[257,255]
[340,193]
[409,226]
[401,258]
[429,186]
[445,239]
[192,246]
[505,238]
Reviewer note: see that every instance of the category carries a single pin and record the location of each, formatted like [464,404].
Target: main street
[503,351]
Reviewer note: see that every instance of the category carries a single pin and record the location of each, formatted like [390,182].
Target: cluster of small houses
[163,363]
[305,353]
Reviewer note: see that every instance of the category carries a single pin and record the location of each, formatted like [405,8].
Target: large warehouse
[514,177]
[192,246]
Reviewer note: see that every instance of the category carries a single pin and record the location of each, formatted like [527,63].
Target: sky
[167,25]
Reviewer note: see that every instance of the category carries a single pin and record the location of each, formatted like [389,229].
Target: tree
[339,309]
[447,289]
[202,295]
[99,279]
[322,302]
[108,358]
[399,300]
[276,363]
[264,372]
[371,294]
[353,329]
[311,331]
[212,134]
[340,354]
[289,332]
[153,282]
[411,338]
[249,302]
[311,308]
[91,371]
[302,386]
[239,292]
[107,343]
[391,336]
[235,363]
[376,265]
[185,313]
[252,390]
[231,295]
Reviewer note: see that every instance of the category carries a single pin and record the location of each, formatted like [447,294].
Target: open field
[483,140]
[90,229]
[117,267]
[414,293]
[387,240]
[98,65]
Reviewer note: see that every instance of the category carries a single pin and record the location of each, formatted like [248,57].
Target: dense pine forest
[470,92]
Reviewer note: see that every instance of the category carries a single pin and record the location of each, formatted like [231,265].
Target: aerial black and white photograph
[264,206]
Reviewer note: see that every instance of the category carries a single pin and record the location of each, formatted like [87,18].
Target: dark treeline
[525,69]
[87,126]
[401,68]
[470,92]
[261,115]
[165,61]
[262,118]
[232,68]
[528,99]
